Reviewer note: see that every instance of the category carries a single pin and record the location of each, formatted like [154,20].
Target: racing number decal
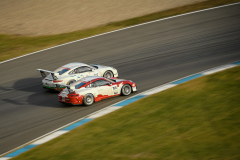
[114,88]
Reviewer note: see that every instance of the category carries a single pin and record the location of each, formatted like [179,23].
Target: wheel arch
[71,80]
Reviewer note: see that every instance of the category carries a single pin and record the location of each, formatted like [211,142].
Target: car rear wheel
[126,90]
[71,81]
[88,99]
[108,74]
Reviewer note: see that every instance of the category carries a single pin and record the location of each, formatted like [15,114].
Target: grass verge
[15,45]
[195,120]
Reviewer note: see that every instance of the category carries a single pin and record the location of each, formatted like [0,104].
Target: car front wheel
[126,90]
[108,74]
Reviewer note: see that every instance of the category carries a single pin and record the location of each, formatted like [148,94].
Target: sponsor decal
[115,92]
[96,74]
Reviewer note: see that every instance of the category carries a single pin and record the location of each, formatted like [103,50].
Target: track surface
[150,55]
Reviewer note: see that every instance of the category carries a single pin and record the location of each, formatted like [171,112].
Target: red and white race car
[93,89]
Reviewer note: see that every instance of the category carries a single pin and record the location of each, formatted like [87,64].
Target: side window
[84,69]
[81,70]
[92,85]
[73,71]
[101,82]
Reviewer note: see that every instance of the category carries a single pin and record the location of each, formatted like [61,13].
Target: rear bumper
[73,104]
[49,84]
[52,88]
[71,100]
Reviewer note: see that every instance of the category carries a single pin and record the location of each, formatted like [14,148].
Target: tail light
[56,81]
[73,95]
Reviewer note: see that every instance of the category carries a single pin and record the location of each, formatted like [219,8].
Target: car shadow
[39,96]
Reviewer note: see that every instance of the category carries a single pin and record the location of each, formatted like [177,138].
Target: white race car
[92,89]
[72,72]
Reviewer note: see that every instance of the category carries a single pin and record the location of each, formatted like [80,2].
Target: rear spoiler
[43,73]
[59,87]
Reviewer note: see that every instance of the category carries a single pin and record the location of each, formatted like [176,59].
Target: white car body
[72,72]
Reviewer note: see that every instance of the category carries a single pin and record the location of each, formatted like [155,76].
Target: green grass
[15,45]
[196,120]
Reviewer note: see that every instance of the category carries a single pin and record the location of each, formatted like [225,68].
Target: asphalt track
[150,55]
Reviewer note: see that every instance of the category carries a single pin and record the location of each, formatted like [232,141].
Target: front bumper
[116,74]
[134,89]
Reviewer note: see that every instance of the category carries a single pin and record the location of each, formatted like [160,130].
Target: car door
[104,88]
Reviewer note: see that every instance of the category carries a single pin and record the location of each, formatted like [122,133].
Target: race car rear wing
[60,87]
[43,73]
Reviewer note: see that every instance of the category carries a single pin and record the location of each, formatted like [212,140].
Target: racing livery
[92,89]
[72,72]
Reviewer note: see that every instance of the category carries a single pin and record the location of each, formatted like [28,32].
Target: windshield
[62,70]
[79,84]
[111,80]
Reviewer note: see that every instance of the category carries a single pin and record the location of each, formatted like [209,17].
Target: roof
[87,79]
[74,65]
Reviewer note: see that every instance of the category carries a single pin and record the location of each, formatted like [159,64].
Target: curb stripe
[219,69]
[21,150]
[75,125]
[5,158]
[187,79]
[158,89]
[49,137]
[236,63]
[104,112]
[128,101]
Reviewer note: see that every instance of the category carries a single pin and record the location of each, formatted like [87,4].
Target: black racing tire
[88,99]
[126,90]
[71,81]
[108,74]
